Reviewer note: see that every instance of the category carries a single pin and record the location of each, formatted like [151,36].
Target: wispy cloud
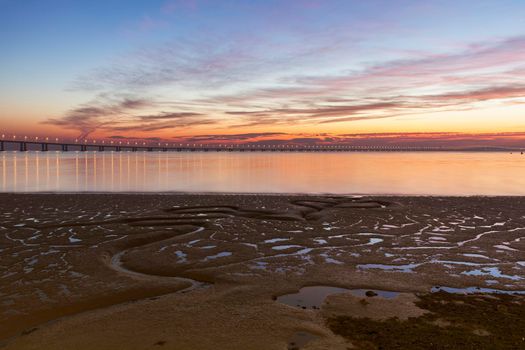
[254,136]
[484,94]
[266,90]
[498,64]
[168,116]
[417,139]
[209,59]
[108,114]
[437,139]
[97,115]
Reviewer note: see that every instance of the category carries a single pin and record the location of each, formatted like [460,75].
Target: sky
[375,72]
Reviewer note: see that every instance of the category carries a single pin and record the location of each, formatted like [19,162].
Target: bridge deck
[22,145]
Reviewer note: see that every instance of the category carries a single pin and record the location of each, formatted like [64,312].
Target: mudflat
[230,271]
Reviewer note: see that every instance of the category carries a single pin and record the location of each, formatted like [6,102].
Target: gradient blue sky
[254,71]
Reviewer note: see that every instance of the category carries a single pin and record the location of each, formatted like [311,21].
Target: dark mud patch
[29,331]
[453,322]
[387,294]
[476,290]
[300,339]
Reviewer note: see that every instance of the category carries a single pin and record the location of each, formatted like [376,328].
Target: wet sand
[180,271]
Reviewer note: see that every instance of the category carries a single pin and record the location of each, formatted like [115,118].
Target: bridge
[24,145]
[46,144]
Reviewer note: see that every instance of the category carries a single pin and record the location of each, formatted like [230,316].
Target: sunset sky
[300,71]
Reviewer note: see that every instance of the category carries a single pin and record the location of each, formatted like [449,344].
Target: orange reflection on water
[439,173]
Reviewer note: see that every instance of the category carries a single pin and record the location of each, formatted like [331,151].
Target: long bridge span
[44,145]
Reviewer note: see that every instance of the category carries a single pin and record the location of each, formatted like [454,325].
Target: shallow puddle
[396,268]
[310,297]
[285,247]
[492,271]
[274,240]
[313,297]
[216,256]
[477,256]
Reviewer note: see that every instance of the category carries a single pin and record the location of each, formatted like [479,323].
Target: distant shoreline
[265,194]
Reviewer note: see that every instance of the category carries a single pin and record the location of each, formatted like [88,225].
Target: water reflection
[389,173]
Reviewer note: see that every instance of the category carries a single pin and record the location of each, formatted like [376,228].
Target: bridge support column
[164,150]
[101,148]
[23,147]
[64,148]
[117,149]
[2,146]
[150,149]
[44,147]
[134,149]
[83,148]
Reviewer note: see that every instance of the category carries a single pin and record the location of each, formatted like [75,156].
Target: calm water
[343,173]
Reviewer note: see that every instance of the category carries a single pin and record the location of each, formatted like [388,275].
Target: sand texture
[181,271]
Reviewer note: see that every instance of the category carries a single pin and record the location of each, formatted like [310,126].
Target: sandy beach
[229,271]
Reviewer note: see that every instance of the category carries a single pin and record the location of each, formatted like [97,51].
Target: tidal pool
[313,297]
